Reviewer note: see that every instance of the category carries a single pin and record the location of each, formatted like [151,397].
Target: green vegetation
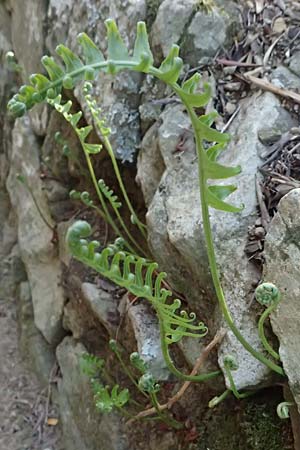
[130,266]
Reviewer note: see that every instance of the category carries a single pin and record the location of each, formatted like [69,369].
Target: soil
[23,402]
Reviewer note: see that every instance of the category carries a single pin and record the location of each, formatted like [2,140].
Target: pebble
[230,108]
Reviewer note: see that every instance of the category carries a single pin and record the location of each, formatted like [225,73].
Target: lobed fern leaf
[139,277]
[76,69]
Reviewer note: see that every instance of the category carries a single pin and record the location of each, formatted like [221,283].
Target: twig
[265,217]
[51,379]
[270,49]
[229,62]
[226,126]
[200,361]
[267,86]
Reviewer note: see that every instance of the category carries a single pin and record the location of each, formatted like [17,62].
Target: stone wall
[64,310]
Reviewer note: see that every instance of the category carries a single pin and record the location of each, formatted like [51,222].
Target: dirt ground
[23,403]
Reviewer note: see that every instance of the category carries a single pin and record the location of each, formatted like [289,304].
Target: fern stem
[165,418]
[233,386]
[110,151]
[127,371]
[169,362]
[102,201]
[211,252]
[261,331]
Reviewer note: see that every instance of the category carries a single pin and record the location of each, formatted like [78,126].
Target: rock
[146,331]
[279,25]
[282,267]
[269,136]
[12,273]
[63,251]
[171,20]
[29,48]
[37,353]
[208,32]
[103,305]
[150,164]
[5,29]
[34,235]
[29,18]
[174,223]
[284,78]
[294,64]
[84,427]
[119,95]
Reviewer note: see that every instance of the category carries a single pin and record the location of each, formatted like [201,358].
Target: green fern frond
[75,69]
[139,277]
[109,194]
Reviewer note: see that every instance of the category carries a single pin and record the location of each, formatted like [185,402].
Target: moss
[262,429]
[250,424]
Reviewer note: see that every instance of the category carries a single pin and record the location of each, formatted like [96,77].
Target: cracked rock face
[175,228]
[183,23]
[34,236]
[282,267]
[84,428]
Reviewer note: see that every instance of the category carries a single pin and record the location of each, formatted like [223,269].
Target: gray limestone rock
[210,32]
[84,427]
[103,305]
[175,230]
[294,64]
[146,331]
[171,20]
[35,237]
[282,267]
[28,45]
[118,96]
[285,78]
[37,353]
[150,164]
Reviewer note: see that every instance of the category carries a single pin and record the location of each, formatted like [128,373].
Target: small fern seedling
[268,295]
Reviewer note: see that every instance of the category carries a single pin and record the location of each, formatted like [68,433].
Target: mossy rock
[250,424]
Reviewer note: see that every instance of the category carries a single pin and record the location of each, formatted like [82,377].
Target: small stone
[235,86]
[295,63]
[269,136]
[230,108]
[259,232]
[279,25]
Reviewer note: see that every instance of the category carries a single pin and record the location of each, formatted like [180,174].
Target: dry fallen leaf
[52,421]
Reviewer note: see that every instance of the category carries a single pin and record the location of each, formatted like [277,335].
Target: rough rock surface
[182,22]
[34,235]
[174,221]
[84,427]
[199,45]
[282,267]
[146,332]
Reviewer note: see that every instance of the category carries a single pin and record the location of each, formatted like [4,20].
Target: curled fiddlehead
[268,295]
[283,410]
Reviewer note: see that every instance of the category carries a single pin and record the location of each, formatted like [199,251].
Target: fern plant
[130,271]
[139,277]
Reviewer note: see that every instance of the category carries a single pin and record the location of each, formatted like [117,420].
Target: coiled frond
[139,277]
